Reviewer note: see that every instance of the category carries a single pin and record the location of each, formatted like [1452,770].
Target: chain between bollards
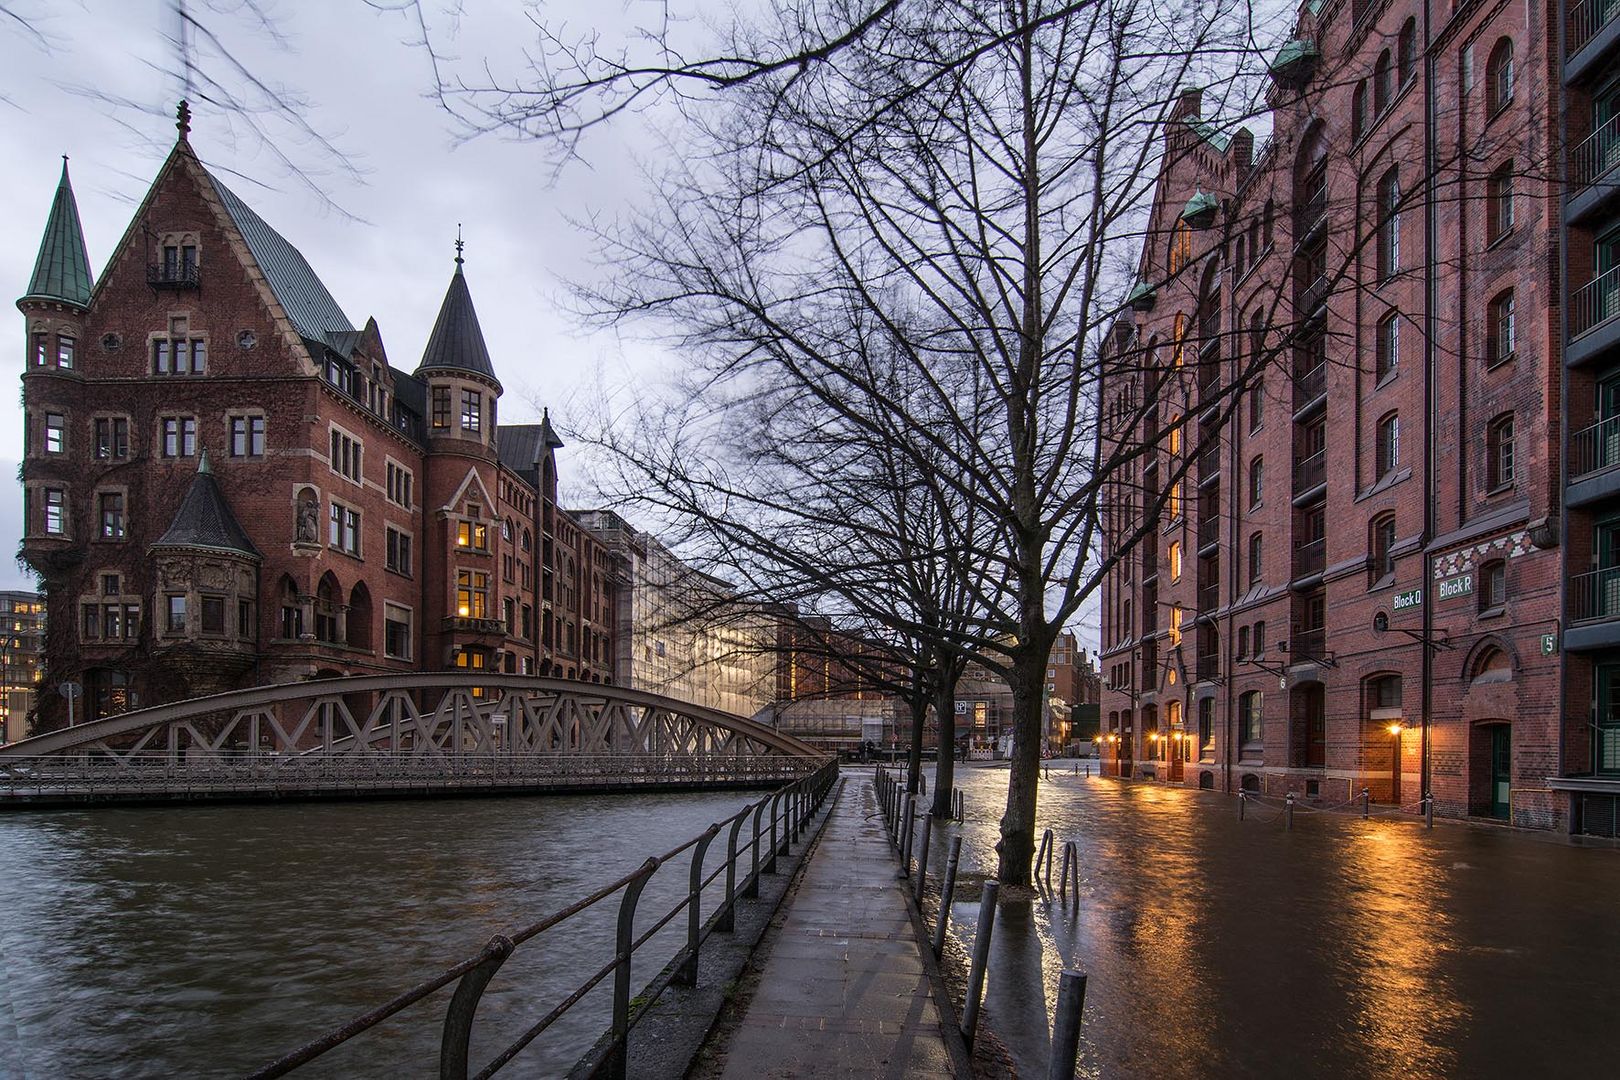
[981,957]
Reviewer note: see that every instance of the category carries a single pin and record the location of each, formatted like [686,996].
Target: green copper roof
[62,271]
[1143,294]
[1219,140]
[1294,51]
[1200,204]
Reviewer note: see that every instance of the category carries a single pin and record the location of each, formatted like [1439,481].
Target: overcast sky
[97,83]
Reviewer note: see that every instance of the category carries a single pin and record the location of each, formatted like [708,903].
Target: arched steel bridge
[431,733]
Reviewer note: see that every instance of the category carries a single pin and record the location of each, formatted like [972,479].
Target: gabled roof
[314,314]
[62,271]
[521,446]
[457,342]
[204,519]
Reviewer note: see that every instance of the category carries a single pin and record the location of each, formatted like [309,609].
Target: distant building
[684,633]
[22,637]
[836,690]
[228,484]
[984,703]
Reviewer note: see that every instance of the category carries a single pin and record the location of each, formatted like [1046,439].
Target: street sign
[1457,585]
[1549,644]
[1409,599]
[71,690]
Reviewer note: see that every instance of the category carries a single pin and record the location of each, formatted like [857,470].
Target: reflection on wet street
[1219,947]
[206,941]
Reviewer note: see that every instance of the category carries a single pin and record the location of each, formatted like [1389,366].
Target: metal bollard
[922,858]
[905,837]
[1428,810]
[1366,803]
[1288,811]
[1243,804]
[1043,857]
[1071,1003]
[981,957]
[1071,863]
[947,893]
[922,784]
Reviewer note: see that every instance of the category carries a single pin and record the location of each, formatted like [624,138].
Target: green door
[1501,770]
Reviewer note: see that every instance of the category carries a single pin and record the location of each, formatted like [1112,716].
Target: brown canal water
[1343,948]
[206,941]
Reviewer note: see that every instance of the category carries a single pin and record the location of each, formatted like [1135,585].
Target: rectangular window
[42,354]
[345,456]
[55,433]
[64,352]
[472,594]
[179,436]
[177,615]
[109,585]
[399,485]
[244,619]
[112,624]
[343,529]
[473,535]
[213,614]
[55,512]
[112,515]
[399,552]
[247,436]
[112,437]
[179,356]
[396,632]
[472,410]
[441,408]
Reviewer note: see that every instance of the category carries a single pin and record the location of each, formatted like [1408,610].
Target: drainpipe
[1561,663]
[1430,299]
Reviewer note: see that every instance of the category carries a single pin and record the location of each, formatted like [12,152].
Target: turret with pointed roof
[62,271]
[205,520]
[457,342]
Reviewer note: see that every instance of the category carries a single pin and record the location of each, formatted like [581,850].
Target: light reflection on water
[1216,947]
[204,941]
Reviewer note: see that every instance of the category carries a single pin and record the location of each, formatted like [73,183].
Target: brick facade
[1355,439]
[384,534]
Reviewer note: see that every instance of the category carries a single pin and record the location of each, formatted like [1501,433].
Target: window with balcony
[1499,468]
[1499,77]
[1381,553]
[1502,335]
[1499,208]
[111,507]
[1387,449]
[1388,346]
[112,437]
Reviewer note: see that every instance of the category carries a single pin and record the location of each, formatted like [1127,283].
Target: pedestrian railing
[754,838]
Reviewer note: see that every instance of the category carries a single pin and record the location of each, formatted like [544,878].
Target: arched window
[1492,585]
[1499,202]
[1388,345]
[1249,708]
[1125,621]
[1257,481]
[357,624]
[1381,549]
[1389,224]
[1179,344]
[1491,665]
[1180,246]
[1175,560]
[328,603]
[1388,450]
[1382,88]
[1266,219]
[1237,256]
[1502,334]
[1500,468]
[1383,694]
[1256,561]
[1499,77]
[1358,110]
[1406,51]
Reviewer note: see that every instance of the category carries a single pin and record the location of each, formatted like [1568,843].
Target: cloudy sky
[97,80]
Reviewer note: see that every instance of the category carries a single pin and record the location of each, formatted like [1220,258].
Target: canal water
[206,941]
[1343,948]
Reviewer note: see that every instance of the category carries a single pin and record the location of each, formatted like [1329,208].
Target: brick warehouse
[227,484]
[1347,364]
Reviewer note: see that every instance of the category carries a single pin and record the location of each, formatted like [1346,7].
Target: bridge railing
[156,773]
[769,825]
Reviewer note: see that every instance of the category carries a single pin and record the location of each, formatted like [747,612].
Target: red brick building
[228,484]
[1344,359]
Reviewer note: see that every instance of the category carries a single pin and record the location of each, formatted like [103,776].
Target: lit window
[1175,561]
[473,535]
[472,594]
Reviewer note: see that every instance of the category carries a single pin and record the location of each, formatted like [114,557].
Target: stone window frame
[125,603]
[111,419]
[390,530]
[410,630]
[122,491]
[61,431]
[351,524]
[170,629]
[264,434]
[180,436]
[335,432]
[169,336]
[393,470]
[35,505]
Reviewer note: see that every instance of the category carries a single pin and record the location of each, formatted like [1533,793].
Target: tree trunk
[919,719]
[945,770]
[1017,844]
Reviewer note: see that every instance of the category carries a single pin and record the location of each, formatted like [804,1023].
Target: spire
[459,246]
[457,342]
[182,119]
[62,271]
[205,520]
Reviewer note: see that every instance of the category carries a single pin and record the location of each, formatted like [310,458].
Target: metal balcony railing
[173,275]
[1209,465]
[1209,597]
[1595,449]
[1310,557]
[1597,153]
[1595,595]
[1309,213]
[1309,386]
[1209,667]
[1586,18]
[1311,296]
[1308,644]
[1310,472]
[1209,530]
[1595,302]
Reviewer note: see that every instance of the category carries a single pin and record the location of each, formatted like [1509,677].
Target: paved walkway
[843,992]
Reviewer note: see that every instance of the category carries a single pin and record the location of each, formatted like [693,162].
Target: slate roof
[457,342]
[204,519]
[62,271]
[314,314]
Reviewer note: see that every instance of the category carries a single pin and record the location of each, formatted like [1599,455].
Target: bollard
[922,858]
[1071,1002]
[1366,803]
[905,838]
[1071,863]
[1043,857]
[947,893]
[922,784]
[1428,810]
[981,957]
[1288,811]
